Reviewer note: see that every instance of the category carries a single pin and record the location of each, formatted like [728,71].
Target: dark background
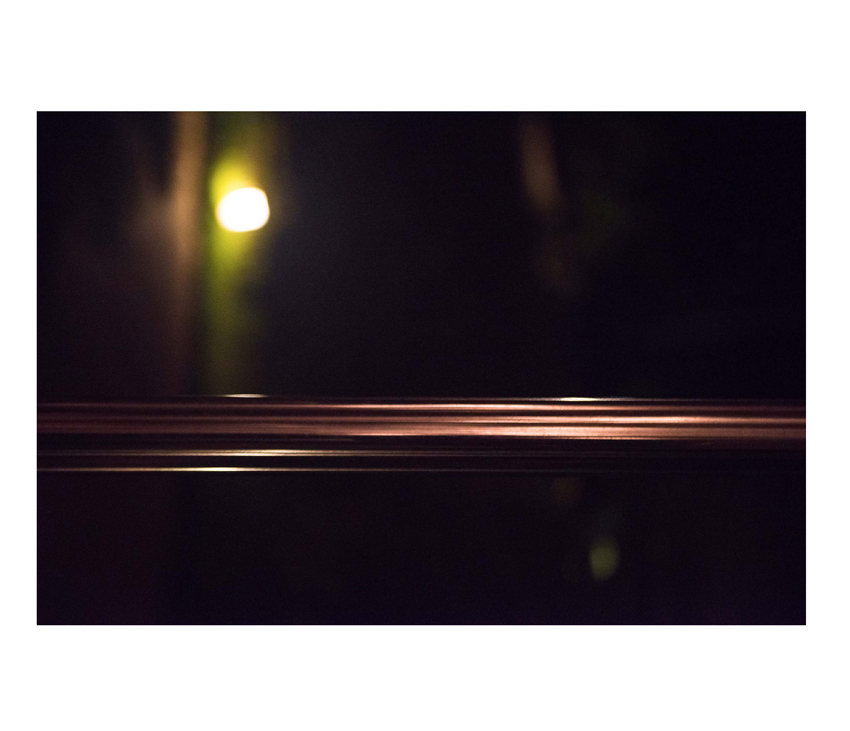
[411,257]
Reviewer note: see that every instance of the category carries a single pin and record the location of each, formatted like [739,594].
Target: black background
[414,264]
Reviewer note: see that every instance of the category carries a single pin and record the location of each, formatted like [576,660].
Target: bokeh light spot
[244,209]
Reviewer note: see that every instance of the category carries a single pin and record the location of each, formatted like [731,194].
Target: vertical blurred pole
[187,187]
[553,260]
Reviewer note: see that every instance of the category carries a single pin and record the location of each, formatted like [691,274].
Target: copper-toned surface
[507,435]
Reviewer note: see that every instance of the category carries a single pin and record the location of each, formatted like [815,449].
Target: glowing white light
[245,209]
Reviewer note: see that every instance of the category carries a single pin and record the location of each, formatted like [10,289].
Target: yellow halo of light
[243,209]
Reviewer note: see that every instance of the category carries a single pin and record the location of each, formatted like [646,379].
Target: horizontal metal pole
[526,435]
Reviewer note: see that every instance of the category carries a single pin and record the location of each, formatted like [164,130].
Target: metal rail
[525,435]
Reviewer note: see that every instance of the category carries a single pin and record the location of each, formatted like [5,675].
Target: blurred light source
[604,558]
[244,209]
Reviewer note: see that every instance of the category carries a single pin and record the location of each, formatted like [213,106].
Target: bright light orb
[245,209]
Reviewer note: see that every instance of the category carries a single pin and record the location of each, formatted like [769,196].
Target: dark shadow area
[500,255]
[411,549]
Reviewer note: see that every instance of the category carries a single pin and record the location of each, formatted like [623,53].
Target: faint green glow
[231,172]
[243,209]
[604,558]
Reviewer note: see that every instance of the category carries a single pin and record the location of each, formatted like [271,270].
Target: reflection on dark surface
[307,548]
